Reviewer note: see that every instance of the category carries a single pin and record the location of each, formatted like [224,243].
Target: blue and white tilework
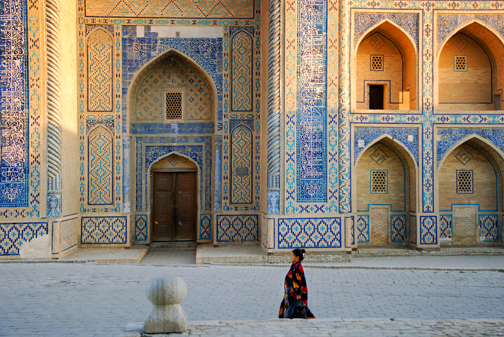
[235,228]
[450,136]
[13,235]
[363,229]
[449,23]
[368,135]
[398,229]
[364,21]
[428,230]
[445,226]
[205,231]
[309,233]
[14,104]
[141,227]
[488,227]
[104,230]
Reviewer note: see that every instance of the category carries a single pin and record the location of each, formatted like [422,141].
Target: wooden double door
[174,206]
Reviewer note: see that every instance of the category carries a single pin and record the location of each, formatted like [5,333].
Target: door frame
[172,170]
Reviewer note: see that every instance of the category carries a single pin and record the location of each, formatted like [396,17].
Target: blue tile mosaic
[398,229]
[309,233]
[368,135]
[205,231]
[428,230]
[488,227]
[363,229]
[445,227]
[311,125]
[13,235]
[104,230]
[14,104]
[141,227]
[235,228]
[448,23]
[364,21]
[171,128]
[450,136]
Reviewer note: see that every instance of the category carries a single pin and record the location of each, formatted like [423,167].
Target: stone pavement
[343,327]
[84,299]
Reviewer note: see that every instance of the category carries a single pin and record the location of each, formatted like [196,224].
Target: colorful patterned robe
[295,284]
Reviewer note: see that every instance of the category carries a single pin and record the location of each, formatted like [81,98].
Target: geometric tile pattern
[235,228]
[141,227]
[309,233]
[450,136]
[100,72]
[488,227]
[205,227]
[14,104]
[101,166]
[428,230]
[241,164]
[171,9]
[104,230]
[398,228]
[12,235]
[445,226]
[378,156]
[464,156]
[399,135]
[311,125]
[364,21]
[363,229]
[173,75]
[241,68]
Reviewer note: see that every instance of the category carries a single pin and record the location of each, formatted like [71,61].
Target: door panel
[185,228]
[162,228]
[174,206]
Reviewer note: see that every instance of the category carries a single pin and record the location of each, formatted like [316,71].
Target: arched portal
[470,194]
[385,195]
[468,77]
[174,207]
[386,71]
[172,106]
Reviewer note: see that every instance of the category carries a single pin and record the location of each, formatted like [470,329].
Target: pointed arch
[100,166]
[398,53]
[100,65]
[393,140]
[467,139]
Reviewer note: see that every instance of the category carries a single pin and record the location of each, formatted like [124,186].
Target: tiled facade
[278,120]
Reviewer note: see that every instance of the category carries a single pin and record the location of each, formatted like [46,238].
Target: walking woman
[295,284]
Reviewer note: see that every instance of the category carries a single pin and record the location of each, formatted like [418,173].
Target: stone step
[179,245]
[443,251]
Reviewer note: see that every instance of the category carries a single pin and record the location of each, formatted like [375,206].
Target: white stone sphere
[166,291]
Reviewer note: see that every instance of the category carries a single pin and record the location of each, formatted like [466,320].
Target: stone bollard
[167,315]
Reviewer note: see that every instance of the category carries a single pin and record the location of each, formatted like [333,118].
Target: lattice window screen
[376,62]
[460,63]
[173,105]
[379,181]
[464,181]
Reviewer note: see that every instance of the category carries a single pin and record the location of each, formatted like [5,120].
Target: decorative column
[53,110]
[344,108]
[274,107]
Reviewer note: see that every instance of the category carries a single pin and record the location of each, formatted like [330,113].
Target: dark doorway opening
[174,206]
[376,97]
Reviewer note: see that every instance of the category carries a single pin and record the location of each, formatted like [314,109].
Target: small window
[173,105]
[460,63]
[379,181]
[377,62]
[464,181]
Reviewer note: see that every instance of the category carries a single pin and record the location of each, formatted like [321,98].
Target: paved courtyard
[75,299]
